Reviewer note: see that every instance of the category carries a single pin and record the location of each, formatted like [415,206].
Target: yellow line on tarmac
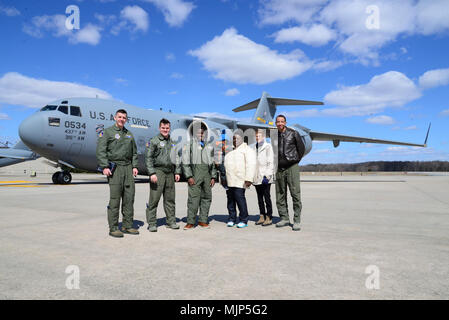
[19,185]
[18,181]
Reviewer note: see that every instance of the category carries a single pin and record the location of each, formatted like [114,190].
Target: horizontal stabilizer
[277,102]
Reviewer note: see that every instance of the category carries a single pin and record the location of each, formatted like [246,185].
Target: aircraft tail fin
[266,107]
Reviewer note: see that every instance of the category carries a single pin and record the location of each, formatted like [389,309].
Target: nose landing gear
[62,177]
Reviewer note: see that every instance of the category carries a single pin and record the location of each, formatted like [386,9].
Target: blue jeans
[236,196]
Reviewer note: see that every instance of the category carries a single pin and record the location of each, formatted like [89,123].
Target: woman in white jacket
[240,166]
[264,177]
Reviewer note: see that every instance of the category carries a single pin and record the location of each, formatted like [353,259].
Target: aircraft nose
[31,131]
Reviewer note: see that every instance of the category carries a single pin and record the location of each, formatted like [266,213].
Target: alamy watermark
[372,282]
[372,22]
[73,20]
[73,280]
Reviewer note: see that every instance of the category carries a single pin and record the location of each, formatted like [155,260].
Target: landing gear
[61,177]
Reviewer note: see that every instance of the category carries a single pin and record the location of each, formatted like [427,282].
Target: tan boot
[116,234]
[267,222]
[261,220]
[130,231]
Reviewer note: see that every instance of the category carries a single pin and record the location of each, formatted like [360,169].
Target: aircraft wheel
[54,178]
[64,177]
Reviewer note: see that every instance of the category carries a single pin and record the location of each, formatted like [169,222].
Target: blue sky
[381,67]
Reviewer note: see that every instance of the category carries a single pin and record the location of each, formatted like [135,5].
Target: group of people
[245,165]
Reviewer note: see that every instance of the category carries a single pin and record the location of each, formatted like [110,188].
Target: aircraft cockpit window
[49,108]
[75,111]
[64,109]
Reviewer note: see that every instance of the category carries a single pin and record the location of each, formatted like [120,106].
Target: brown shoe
[189,226]
[130,231]
[267,222]
[204,225]
[116,234]
[261,220]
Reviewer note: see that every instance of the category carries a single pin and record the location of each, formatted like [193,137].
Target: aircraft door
[74,149]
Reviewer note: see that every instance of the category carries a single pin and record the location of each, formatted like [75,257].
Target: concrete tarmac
[362,237]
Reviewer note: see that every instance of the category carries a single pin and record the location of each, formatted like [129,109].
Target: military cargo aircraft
[65,131]
[18,153]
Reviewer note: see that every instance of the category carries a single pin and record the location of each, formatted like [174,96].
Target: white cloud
[17,89]
[444,113]
[381,120]
[315,35]
[136,16]
[346,19]
[432,16]
[434,78]
[121,81]
[390,89]
[170,57]
[281,11]
[176,75]
[411,128]
[233,57]
[326,65]
[9,11]
[55,24]
[4,116]
[90,34]
[232,92]
[175,12]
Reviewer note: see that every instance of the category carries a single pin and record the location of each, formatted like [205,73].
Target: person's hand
[212,182]
[135,172]
[265,180]
[177,177]
[191,181]
[153,178]
[107,172]
[247,184]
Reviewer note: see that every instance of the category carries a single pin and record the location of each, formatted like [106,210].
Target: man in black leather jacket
[290,151]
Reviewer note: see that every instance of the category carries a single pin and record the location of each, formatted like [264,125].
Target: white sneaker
[242,225]
[230,224]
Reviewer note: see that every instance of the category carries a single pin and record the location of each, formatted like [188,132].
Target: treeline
[379,166]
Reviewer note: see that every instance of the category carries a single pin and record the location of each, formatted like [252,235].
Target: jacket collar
[161,137]
[242,146]
[118,129]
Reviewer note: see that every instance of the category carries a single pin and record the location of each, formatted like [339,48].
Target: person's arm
[250,164]
[102,151]
[150,159]
[185,163]
[270,162]
[213,168]
[300,148]
[135,160]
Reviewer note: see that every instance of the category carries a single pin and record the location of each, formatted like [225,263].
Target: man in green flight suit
[162,163]
[199,170]
[117,145]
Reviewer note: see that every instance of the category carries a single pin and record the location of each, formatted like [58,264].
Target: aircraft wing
[249,125]
[336,138]
[17,154]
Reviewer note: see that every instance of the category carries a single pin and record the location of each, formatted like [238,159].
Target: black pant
[263,192]
[237,196]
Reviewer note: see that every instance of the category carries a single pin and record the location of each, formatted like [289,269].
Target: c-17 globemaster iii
[65,131]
